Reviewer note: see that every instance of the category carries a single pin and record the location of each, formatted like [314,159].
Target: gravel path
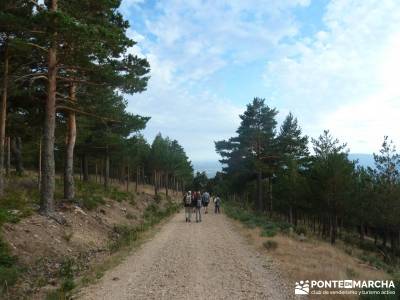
[207,260]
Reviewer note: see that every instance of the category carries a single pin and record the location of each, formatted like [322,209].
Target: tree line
[272,170]
[66,67]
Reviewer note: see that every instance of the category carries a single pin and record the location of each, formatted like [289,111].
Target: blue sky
[333,64]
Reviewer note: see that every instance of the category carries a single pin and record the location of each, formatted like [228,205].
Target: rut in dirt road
[207,260]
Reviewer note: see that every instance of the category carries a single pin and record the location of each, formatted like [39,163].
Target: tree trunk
[8,161]
[362,232]
[48,169]
[333,231]
[155,183]
[85,165]
[3,114]
[259,192]
[40,164]
[69,186]
[270,195]
[16,147]
[166,184]
[137,179]
[96,172]
[107,170]
[127,179]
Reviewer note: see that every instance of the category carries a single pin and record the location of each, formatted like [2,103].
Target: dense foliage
[66,67]
[273,172]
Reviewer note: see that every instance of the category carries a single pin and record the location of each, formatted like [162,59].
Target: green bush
[252,220]
[68,284]
[300,229]
[269,232]
[374,261]
[9,271]
[157,198]
[91,202]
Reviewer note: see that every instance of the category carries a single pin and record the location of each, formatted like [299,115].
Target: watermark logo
[345,287]
[302,288]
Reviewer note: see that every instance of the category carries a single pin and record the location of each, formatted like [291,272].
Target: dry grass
[312,259]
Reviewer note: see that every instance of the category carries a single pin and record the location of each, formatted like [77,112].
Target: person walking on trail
[217,204]
[198,206]
[205,199]
[194,201]
[187,202]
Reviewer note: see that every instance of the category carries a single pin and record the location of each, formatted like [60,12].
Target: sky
[334,64]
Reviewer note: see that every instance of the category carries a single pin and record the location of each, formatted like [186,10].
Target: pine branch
[63,107]
[37,46]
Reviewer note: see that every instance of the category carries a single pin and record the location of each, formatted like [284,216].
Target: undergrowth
[124,235]
[251,219]
[90,194]
[9,271]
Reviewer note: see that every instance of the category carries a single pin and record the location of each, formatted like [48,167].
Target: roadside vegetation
[271,171]
[67,140]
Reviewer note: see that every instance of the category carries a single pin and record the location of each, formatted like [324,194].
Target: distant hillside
[211,167]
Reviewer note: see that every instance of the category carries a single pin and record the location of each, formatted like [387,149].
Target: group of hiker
[194,201]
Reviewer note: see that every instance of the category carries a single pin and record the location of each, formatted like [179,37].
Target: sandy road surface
[207,260]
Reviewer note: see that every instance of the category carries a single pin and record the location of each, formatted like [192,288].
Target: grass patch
[374,261]
[9,272]
[67,270]
[92,194]
[252,220]
[16,204]
[124,235]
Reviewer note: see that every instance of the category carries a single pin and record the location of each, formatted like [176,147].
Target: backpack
[188,200]
[206,198]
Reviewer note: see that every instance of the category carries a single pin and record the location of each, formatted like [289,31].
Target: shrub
[374,261]
[91,202]
[8,270]
[269,232]
[300,229]
[270,245]
[157,198]
[68,284]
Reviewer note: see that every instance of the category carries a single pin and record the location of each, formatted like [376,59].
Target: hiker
[187,202]
[194,201]
[198,207]
[205,199]
[217,204]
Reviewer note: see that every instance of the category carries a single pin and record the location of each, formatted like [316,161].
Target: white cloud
[345,77]
[196,121]
[186,42]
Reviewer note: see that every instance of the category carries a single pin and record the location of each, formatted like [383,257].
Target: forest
[273,171]
[66,71]
[67,139]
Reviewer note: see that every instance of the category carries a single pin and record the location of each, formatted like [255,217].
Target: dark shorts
[205,204]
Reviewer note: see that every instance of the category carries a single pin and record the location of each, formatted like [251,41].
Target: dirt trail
[207,260]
